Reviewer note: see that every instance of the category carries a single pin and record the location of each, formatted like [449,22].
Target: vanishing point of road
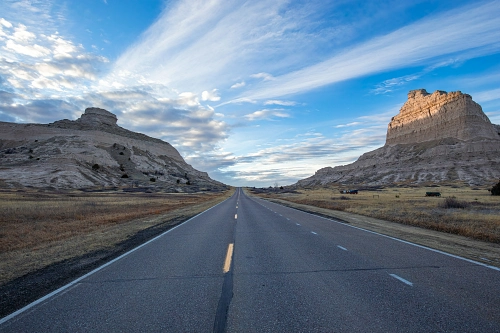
[248,265]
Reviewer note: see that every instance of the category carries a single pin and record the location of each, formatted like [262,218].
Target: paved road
[248,265]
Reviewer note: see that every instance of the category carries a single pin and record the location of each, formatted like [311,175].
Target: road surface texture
[248,265]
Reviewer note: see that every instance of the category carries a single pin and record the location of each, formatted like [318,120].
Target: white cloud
[21,35]
[355,123]
[212,96]
[267,114]
[263,76]
[5,23]
[392,84]
[278,102]
[238,85]
[34,50]
[486,96]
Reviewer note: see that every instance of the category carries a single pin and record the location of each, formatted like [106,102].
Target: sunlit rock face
[436,138]
[427,117]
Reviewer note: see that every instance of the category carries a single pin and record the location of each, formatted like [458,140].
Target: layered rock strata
[427,117]
[93,151]
[435,138]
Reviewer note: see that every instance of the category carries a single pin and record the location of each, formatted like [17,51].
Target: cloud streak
[474,28]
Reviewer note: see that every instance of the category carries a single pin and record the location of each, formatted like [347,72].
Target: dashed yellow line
[229,256]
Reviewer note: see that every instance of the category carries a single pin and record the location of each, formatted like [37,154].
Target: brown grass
[477,217]
[38,228]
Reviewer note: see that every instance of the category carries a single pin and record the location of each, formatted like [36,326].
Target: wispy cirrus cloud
[267,114]
[475,29]
[278,102]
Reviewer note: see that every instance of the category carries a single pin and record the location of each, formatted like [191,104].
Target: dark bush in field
[495,190]
[453,203]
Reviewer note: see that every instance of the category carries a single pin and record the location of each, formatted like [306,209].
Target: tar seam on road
[399,240]
[401,279]
[74,282]
[341,247]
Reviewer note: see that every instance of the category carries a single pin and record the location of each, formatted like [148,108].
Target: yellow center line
[229,255]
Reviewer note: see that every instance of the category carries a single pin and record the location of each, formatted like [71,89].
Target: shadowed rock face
[98,116]
[93,151]
[435,138]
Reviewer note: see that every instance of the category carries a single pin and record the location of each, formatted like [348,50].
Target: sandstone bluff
[436,138]
[93,151]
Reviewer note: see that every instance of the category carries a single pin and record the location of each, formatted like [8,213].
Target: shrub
[344,198]
[178,181]
[453,203]
[121,153]
[95,167]
[188,183]
[152,179]
[124,175]
[495,190]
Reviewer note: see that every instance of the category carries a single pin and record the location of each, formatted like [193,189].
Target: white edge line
[401,279]
[399,240]
[57,291]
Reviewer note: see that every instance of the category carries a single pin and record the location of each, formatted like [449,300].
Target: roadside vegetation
[40,228]
[465,211]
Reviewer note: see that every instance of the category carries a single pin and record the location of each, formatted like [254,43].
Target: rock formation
[93,152]
[427,117]
[435,138]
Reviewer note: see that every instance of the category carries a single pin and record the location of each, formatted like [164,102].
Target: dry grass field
[478,216]
[40,228]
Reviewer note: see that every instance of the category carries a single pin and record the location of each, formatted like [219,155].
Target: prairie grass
[28,220]
[459,210]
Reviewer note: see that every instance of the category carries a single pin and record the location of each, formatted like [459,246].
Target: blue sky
[253,92]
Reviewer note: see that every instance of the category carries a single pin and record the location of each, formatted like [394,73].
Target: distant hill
[93,152]
[436,138]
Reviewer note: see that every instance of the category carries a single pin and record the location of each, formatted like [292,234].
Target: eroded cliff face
[435,138]
[64,155]
[427,117]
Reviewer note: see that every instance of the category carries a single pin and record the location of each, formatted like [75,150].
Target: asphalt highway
[248,265]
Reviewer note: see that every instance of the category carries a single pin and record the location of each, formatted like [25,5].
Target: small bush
[152,179]
[344,198]
[95,167]
[453,203]
[124,175]
[495,190]
[188,183]
[178,181]
[121,153]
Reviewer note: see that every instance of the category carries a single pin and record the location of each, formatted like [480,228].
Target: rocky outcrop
[435,138]
[93,151]
[96,117]
[427,117]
